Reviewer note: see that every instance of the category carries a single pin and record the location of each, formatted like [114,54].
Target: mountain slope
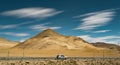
[4,43]
[106,45]
[49,39]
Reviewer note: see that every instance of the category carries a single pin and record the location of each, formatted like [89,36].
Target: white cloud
[14,25]
[110,37]
[43,27]
[15,34]
[27,22]
[7,26]
[101,31]
[24,39]
[95,19]
[33,12]
[92,39]
[107,39]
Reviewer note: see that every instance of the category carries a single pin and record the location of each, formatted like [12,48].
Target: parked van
[61,56]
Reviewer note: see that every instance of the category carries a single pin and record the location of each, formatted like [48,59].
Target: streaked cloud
[7,26]
[43,27]
[100,31]
[95,19]
[11,26]
[15,34]
[106,39]
[33,12]
[27,22]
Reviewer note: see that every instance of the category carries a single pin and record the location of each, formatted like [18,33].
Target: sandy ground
[53,53]
[61,62]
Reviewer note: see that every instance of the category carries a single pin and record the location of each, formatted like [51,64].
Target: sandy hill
[106,45]
[49,39]
[4,43]
[50,43]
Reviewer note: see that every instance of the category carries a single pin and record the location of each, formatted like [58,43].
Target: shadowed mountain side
[49,39]
[5,44]
[106,45]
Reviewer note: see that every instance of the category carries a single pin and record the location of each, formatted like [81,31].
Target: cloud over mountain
[106,39]
[44,26]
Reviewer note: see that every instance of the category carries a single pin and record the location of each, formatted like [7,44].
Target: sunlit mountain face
[92,20]
[55,43]
[51,40]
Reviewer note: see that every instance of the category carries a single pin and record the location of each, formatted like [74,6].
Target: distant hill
[5,44]
[106,45]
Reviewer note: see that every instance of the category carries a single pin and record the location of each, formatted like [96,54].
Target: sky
[92,20]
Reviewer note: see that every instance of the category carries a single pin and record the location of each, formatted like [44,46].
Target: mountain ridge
[50,43]
[49,39]
[106,45]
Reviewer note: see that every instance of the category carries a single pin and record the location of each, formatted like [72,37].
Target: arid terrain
[61,62]
[6,44]
[50,43]
[59,32]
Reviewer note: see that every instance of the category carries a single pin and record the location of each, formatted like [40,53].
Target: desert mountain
[49,39]
[4,43]
[106,45]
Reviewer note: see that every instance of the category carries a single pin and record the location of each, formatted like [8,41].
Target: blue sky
[93,20]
